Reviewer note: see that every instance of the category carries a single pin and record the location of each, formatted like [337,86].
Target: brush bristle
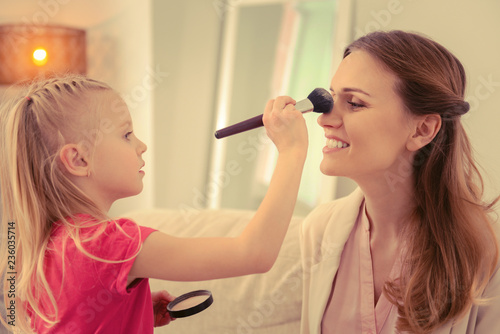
[322,100]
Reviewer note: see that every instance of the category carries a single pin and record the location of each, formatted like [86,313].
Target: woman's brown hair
[451,248]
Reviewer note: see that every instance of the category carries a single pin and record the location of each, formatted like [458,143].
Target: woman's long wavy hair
[451,247]
[36,192]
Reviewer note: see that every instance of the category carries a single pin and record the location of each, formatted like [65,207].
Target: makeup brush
[320,101]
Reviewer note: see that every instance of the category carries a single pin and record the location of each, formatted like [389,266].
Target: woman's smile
[334,144]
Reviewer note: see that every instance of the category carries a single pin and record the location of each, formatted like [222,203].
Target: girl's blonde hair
[35,123]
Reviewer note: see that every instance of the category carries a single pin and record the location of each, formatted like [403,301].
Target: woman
[413,249]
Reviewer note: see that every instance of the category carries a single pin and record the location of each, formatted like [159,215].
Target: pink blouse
[351,308]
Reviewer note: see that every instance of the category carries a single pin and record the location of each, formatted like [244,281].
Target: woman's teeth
[332,143]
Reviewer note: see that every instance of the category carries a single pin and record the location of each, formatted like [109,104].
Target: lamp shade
[29,51]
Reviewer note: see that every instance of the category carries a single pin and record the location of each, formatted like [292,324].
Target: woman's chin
[330,170]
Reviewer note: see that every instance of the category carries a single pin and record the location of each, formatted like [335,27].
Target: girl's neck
[89,190]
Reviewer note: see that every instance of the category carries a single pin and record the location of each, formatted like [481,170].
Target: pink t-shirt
[351,307]
[92,296]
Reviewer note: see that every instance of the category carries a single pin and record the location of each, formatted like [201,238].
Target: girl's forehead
[114,107]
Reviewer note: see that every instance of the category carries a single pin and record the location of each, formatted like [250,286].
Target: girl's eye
[128,134]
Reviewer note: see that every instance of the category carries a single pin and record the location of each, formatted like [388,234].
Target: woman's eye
[355,105]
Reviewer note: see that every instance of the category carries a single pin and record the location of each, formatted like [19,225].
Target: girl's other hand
[160,302]
[285,125]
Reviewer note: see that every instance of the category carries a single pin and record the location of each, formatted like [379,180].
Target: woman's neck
[388,207]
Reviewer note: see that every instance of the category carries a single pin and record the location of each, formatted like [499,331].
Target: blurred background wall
[187,67]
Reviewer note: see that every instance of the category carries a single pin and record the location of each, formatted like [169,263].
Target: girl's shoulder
[93,233]
[86,222]
[101,246]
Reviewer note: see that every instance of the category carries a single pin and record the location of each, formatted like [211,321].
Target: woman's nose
[332,119]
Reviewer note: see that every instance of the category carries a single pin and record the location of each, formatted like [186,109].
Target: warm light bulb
[40,57]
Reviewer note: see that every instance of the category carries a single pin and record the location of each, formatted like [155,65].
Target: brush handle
[248,124]
[255,122]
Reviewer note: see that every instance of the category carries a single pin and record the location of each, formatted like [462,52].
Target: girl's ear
[73,158]
[425,129]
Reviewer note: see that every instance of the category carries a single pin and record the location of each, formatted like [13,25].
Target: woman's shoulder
[346,205]
[335,218]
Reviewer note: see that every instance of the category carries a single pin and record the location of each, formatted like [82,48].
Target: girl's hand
[160,302]
[285,125]
[255,250]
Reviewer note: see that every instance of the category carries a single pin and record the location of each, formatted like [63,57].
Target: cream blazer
[322,237]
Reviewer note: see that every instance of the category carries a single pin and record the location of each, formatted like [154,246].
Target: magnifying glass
[190,303]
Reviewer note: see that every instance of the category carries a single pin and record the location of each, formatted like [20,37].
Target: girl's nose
[141,148]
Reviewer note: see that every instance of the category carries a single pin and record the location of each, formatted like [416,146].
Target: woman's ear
[424,130]
[74,160]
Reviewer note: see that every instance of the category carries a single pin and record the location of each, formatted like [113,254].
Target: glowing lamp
[40,57]
[28,51]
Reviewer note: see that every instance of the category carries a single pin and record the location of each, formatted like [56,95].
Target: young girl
[413,249]
[68,151]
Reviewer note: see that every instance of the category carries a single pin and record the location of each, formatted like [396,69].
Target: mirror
[270,48]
